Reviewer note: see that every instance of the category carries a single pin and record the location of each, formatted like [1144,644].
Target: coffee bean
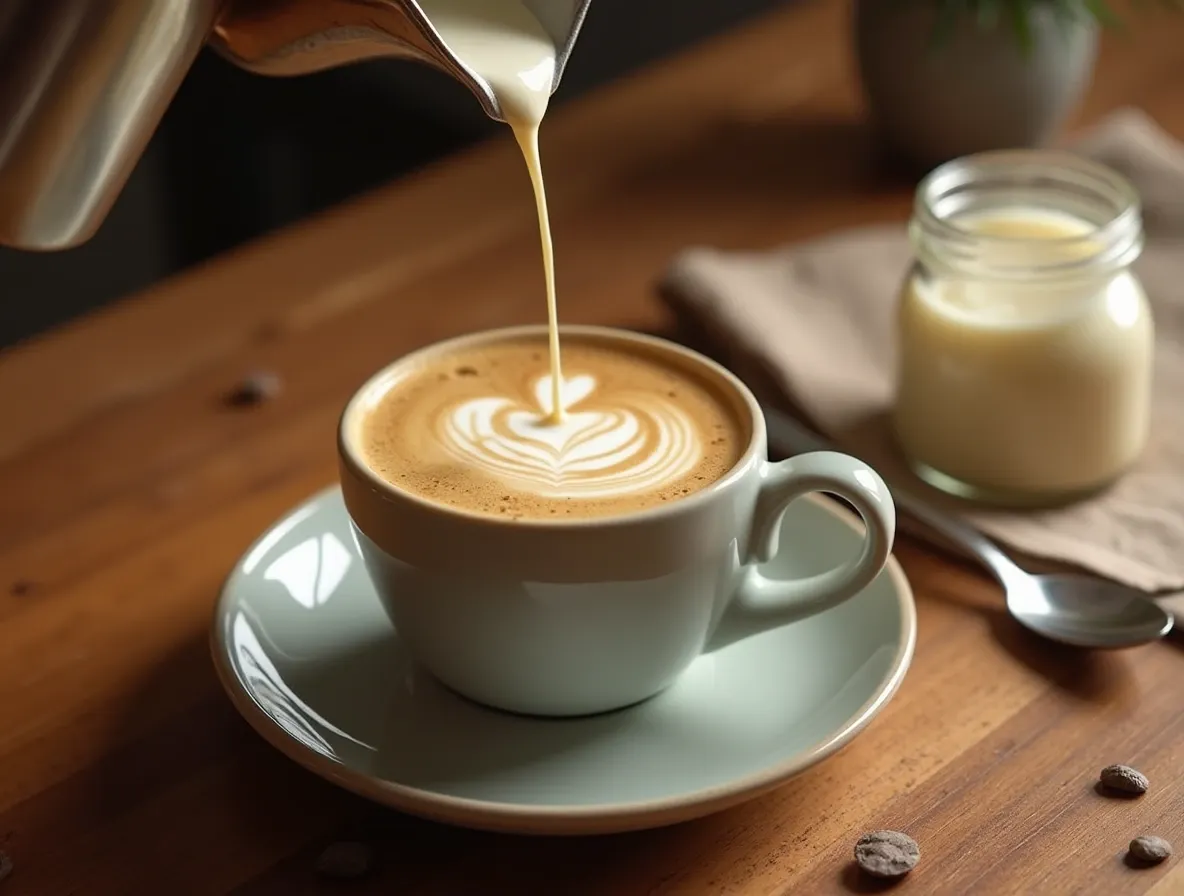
[255,388]
[347,860]
[5,865]
[1123,779]
[887,853]
[1150,850]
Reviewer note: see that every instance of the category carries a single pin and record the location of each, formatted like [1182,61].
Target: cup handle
[761,603]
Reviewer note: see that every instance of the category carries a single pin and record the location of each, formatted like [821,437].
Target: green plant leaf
[1071,12]
[989,14]
[986,15]
[1101,11]
[1017,14]
[943,26]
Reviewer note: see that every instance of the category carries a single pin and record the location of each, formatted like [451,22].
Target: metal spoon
[1076,609]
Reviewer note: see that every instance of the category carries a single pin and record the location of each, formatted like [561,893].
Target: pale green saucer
[308,657]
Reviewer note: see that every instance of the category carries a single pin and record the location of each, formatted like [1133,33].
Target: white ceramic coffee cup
[571,617]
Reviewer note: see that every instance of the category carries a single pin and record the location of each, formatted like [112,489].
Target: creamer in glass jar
[1024,338]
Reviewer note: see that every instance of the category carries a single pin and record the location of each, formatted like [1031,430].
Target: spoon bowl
[1086,611]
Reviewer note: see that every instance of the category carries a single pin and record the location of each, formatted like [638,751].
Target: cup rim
[351,454]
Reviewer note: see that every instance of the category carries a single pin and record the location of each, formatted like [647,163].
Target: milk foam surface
[474,430]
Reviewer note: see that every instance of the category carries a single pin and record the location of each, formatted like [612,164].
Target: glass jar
[1024,338]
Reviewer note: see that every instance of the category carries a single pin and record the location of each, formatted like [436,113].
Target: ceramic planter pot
[978,90]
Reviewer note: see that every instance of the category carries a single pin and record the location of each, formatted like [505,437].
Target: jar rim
[1058,181]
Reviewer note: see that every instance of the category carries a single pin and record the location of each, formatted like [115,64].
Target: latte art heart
[636,442]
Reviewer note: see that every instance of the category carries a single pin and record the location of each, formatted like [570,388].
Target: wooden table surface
[128,488]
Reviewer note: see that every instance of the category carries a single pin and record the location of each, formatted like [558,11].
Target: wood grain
[128,488]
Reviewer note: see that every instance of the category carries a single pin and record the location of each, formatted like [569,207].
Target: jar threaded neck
[1044,181]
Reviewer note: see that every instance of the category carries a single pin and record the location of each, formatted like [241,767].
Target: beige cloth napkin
[813,324]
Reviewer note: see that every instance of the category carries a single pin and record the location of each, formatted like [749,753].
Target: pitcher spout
[291,37]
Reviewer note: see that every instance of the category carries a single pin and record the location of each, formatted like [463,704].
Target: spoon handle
[792,437]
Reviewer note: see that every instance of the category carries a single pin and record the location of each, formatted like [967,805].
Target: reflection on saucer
[265,685]
[312,570]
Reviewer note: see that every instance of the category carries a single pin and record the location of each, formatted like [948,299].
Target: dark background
[239,154]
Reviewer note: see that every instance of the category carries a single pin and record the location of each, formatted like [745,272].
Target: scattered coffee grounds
[1123,779]
[887,853]
[255,388]
[1150,850]
[5,865]
[346,860]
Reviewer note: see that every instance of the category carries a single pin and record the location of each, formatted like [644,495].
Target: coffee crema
[473,429]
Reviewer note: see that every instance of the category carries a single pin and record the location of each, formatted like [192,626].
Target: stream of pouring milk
[504,43]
